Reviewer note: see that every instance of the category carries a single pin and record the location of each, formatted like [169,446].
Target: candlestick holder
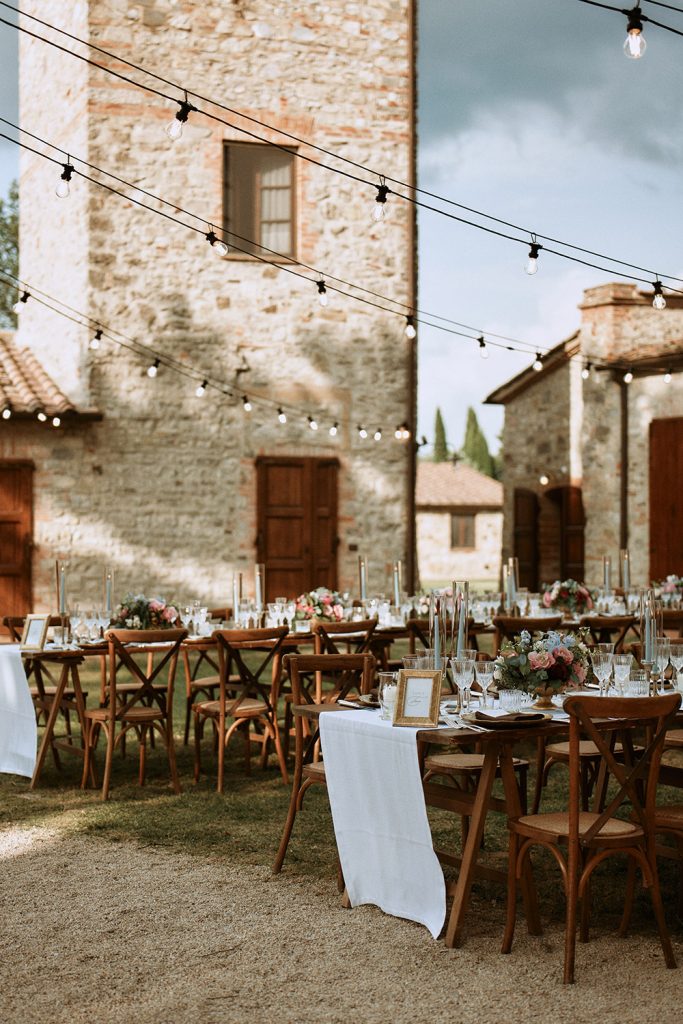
[652,674]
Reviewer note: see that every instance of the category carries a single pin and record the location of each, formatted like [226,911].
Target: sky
[528,111]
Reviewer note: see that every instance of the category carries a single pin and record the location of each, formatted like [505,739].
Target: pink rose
[156,606]
[547,599]
[169,614]
[338,612]
[564,654]
[541,659]
[327,599]
[579,672]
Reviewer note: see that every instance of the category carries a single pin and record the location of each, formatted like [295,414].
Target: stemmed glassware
[676,659]
[463,674]
[602,666]
[622,671]
[484,671]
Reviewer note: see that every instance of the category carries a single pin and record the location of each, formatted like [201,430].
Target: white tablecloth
[18,733]
[380,819]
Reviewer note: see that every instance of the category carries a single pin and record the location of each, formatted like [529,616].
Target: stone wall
[439,563]
[164,487]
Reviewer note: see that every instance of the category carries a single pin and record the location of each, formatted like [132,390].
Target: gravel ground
[118,933]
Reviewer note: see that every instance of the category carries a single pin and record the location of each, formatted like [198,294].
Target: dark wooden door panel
[573,532]
[526,537]
[297,524]
[666,497]
[16,532]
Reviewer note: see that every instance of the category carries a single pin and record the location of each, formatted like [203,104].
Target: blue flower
[552,640]
[525,636]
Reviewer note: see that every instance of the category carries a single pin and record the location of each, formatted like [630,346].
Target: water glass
[511,700]
[484,671]
[426,660]
[386,693]
[676,659]
[411,660]
[622,670]
[637,683]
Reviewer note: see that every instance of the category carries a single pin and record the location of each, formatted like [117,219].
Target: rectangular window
[462,531]
[258,198]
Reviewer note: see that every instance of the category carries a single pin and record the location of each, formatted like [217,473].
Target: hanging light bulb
[410,327]
[246,404]
[312,423]
[7,412]
[56,421]
[21,302]
[377,435]
[532,262]
[63,189]
[96,339]
[586,372]
[154,368]
[379,212]
[41,415]
[282,416]
[398,433]
[667,376]
[543,480]
[175,129]
[658,302]
[483,350]
[628,377]
[201,388]
[334,429]
[323,297]
[217,244]
[537,364]
[634,44]
[362,432]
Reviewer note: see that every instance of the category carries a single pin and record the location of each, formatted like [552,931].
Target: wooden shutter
[526,537]
[666,497]
[573,530]
[16,537]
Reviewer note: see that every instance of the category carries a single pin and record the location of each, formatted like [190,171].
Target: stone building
[593,444]
[459,514]
[174,490]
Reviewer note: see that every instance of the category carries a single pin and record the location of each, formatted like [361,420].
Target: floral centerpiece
[568,596]
[139,612]
[545,666]
[320,604]
[670,589]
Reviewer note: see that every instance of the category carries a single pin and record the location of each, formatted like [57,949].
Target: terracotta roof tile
[25,385]
[445,484]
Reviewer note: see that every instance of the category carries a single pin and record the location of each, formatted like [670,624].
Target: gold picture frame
[417,698]
[34,633]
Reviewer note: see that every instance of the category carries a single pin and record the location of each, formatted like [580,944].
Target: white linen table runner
[380,818]
[18,732]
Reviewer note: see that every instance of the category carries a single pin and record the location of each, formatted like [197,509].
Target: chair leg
[571,915]
[167,735]
[657,906]
[87,752]
[188,715]
[584,920]
[280,753]
[142,738]
[108,759]
[294,802]
[197,744]
[628,898]
[540,765]
[511,915]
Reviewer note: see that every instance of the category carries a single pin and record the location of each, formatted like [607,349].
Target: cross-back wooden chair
[507,627]
[247,704]
[589,837]
[608,629]
[353,672]
[418,635]
[145,706]
[672,622]
[202,677]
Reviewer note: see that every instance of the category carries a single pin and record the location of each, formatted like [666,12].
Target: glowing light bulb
[667,377]
[628,377]
[398,433]
[658,302]
[154,368]
[537,364]
[63,189]
[6,412]
[95,340]
[323,297]
[362,432]
[218,246]
[410,328]
[634,44]
[246,404]
[281,415]
[312,423]
[543,480]
[41,416]
[334,429]
[586,372]
[56,422]
[377,435]
[483,350]
[532,262]
[201,388]
[175,129]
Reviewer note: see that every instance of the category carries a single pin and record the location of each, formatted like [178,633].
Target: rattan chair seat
[556,823]
[134,714]
[248,708]
[439,763]
[674,738]
[669,817]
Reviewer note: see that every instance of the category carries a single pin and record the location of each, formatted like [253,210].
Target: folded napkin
[497,715]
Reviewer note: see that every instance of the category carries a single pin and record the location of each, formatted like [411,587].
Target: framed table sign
[417,698]
[35,632]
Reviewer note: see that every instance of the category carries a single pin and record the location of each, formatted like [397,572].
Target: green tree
[9,254]
[475,449]
[440,445]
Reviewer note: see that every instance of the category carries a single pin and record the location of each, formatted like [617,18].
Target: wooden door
[526,537]
[297,524]
[16,537]
[666,497]
[573,532]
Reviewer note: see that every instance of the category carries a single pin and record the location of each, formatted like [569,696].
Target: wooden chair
[144,709]
[247,704]
[608,629]
[353,672]
[588,838]
[418,635]
[197,658]
[507,627]
[672,622]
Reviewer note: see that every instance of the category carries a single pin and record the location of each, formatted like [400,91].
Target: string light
[323,297]
[281,415]
[628,376]
[483,350]
[410,328]
[312,423]
[63,189]
[153,370]
[362,432]
[537,364]
[218,246]
[175,129]
[40,415]
[201,388]
[96,339]
[379,212]
[246,404]
[667,377]
[377,435]
[56,421]
[532,262]
[543,480]
[586,372]
[334,429]
[658,302]
[634,44]
[21,302]
[7,412]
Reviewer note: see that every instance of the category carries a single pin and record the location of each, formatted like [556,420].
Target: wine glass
[676,659]
[484,671]
[622,671]
[463,674]
[602,666]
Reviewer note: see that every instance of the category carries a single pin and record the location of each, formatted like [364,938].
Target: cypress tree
[440,445]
